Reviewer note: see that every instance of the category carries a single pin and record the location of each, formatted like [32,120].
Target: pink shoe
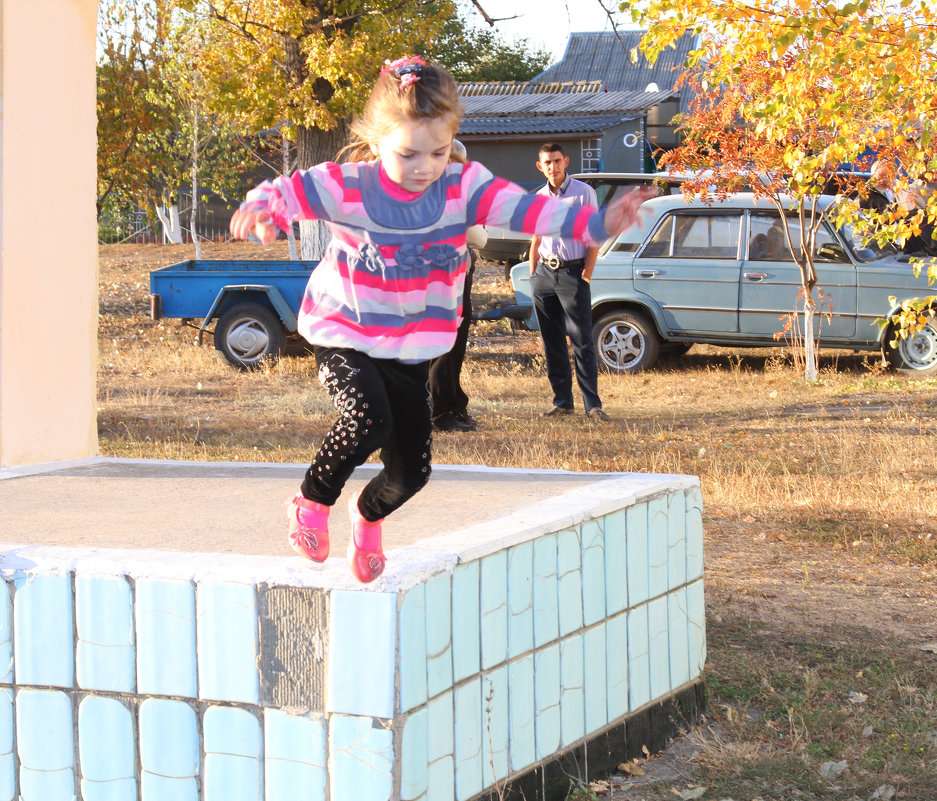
[309,527]
[365,554]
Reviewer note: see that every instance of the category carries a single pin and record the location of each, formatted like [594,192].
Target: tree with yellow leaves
[788,93]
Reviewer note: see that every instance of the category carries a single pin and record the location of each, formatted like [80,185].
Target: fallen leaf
[931,647]
[631,769]
[830,770]
[691,793]
[599,787]
[884,793]
[646,752]
[857,698]
[868,731]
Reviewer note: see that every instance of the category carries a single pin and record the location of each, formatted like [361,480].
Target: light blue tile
[232,778]
[442,726]
[363,629]
[438,634]
[494,609]
[659,647]
[7,758]
[694,534]
[547,700]
[495,726]
[228,730]
[169,740]
[104,620]
[441,780]
[361,759]
[522,713]
[572,690]
[120,790]
[639,657]
[676,540]
[106,740]
[165,624]
[295,757]
[465,621]
[45,731]
[616,563]
[43,633]
[158,788]
[7,777]
[569,581]
[636,543]
[696,627]
[233,746]
[520,599]
[616,651]
[593,572]
[678,638]
[468,739]
[6,633]
[227,641]
[40,785]
[546,599]
[657,539]
[596,678]
[414,756]
[412,622]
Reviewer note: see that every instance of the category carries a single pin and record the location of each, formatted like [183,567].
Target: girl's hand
[622,212]
[246,224]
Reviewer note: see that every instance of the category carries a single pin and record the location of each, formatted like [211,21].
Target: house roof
[606,56]
[562,112]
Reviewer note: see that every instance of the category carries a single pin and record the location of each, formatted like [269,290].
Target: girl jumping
[387,296]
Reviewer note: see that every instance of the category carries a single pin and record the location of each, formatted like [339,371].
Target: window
[694,235]
[768,242]
[591,151]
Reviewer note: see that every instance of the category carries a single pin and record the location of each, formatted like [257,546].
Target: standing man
[560,272]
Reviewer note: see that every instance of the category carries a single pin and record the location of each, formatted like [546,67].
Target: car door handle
[646,273]
[756,276]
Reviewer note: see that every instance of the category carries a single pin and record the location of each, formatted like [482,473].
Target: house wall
[48,250]
[516,159]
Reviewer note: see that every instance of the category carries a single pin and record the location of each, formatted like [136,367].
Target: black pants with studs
[383,405]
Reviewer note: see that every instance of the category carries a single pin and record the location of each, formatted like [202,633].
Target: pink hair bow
[408,69]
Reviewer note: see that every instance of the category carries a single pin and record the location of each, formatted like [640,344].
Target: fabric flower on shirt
[410,257]
[445,256]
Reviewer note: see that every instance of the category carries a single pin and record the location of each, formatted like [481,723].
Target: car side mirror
[832,252]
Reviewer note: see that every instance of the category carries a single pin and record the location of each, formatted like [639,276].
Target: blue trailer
[253,304]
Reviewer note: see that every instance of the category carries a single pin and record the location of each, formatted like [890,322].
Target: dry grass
[820,506]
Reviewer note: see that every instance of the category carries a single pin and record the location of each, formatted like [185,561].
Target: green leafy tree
[792,90]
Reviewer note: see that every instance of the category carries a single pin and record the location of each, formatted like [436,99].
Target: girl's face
[415,155]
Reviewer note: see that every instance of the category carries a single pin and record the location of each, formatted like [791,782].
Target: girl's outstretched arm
[622,212]
[247,223]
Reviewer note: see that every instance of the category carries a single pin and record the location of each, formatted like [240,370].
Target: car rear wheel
[917,353]
[248,334]
[625,342]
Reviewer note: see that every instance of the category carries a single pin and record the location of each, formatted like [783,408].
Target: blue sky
[549,22]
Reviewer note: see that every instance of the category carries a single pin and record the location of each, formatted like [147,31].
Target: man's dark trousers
[563,304]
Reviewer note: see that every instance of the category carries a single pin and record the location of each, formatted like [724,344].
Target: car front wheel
[917,353]
[625,342]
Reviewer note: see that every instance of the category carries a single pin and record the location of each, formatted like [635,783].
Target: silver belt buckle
[552,262]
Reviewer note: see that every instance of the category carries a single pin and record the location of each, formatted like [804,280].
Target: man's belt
[558,264]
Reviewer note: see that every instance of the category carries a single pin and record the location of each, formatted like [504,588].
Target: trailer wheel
[249,334]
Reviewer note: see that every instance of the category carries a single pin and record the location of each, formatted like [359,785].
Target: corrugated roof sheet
[606,56]
[545,104]
[592,124]
[481,88]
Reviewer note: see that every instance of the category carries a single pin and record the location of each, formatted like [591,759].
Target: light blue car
[722,274]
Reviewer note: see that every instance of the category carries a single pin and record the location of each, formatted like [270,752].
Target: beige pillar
[48,242]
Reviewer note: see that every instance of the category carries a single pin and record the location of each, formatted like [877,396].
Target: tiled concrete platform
[158,642]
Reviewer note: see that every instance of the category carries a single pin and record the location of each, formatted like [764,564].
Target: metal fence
[134,225]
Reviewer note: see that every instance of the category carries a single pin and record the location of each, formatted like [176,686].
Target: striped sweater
[390,283]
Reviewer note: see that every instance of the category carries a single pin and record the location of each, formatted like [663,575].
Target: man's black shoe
[450,422]
[557,411]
